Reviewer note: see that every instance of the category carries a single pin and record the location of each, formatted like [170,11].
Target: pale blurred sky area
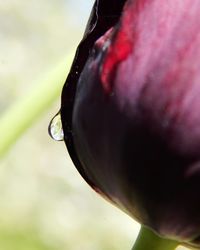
[44,203]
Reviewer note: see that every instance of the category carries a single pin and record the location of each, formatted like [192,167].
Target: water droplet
[55,128]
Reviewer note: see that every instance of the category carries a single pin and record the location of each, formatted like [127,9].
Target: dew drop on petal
[55,128]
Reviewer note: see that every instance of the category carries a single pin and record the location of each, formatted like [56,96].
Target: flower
[130,112]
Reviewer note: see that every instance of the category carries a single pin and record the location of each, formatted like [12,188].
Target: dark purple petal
[130,112]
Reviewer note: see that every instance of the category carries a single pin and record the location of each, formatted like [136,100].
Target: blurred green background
[44,203]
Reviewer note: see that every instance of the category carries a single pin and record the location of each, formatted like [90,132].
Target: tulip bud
[130,112]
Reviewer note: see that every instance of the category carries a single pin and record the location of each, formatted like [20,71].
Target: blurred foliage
[44,203]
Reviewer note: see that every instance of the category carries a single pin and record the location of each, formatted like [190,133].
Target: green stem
[17,119]
[147,240]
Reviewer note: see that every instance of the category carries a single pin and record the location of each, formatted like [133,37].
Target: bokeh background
[44,203]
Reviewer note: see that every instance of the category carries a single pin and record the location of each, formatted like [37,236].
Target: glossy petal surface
[133,126]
